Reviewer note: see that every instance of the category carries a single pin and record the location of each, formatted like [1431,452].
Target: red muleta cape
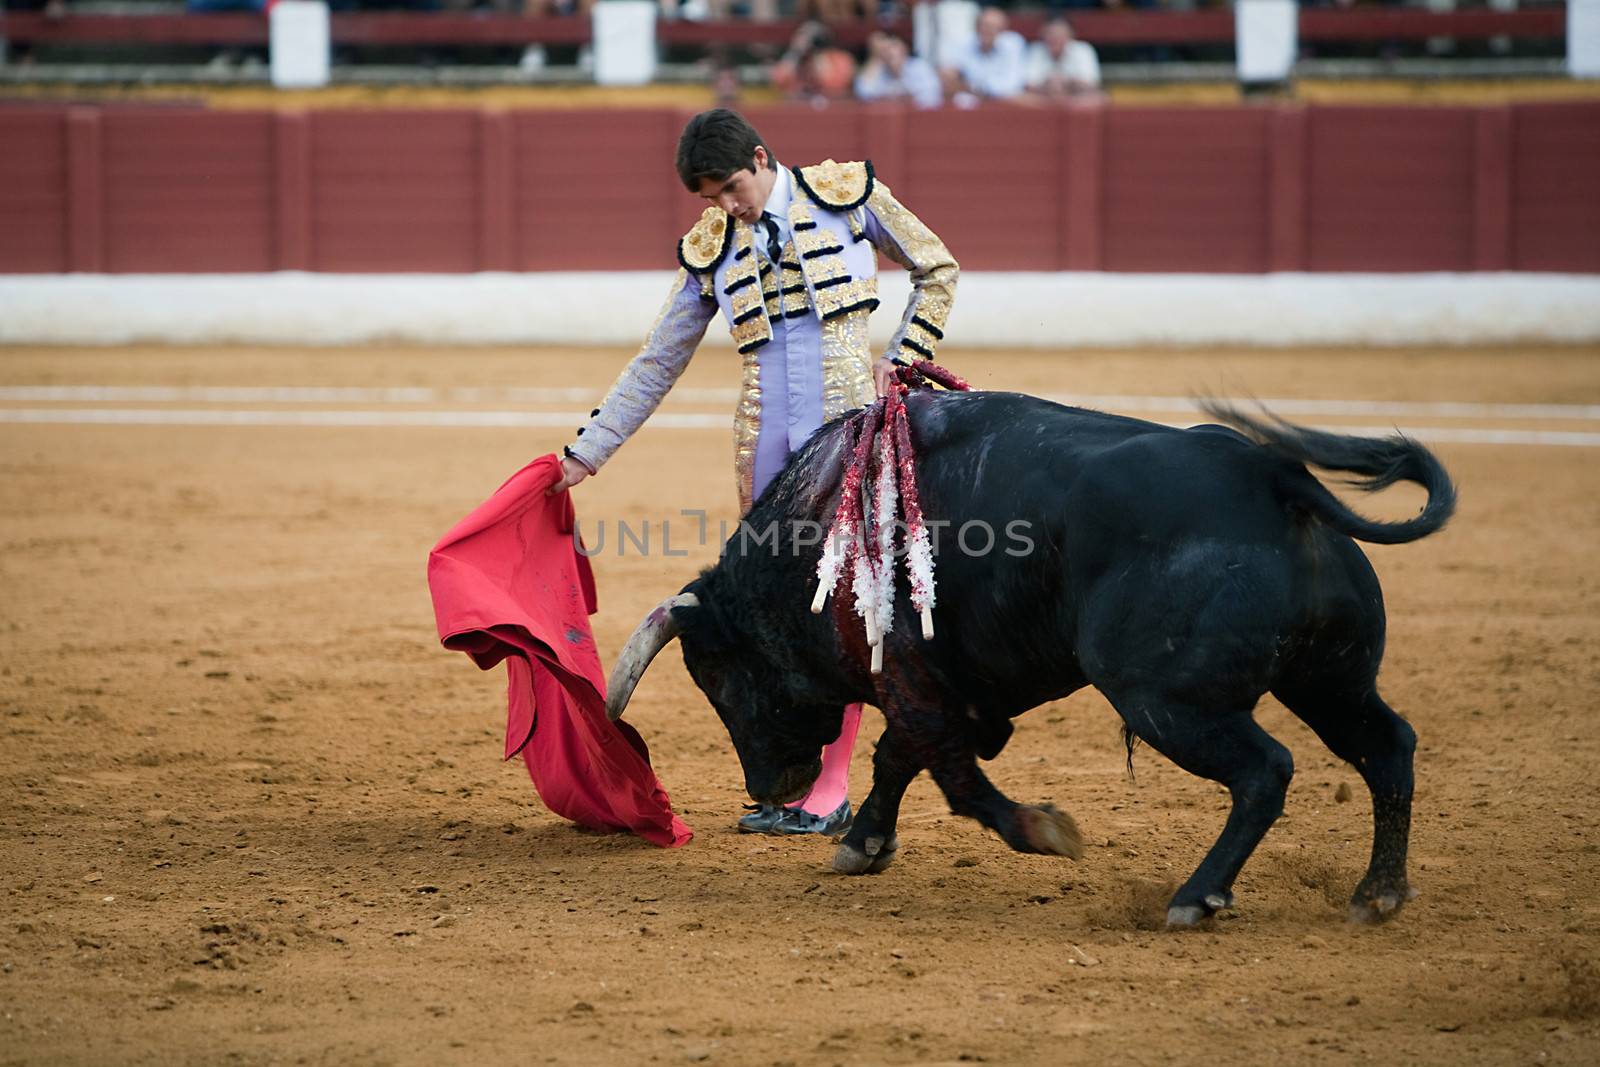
[508,583]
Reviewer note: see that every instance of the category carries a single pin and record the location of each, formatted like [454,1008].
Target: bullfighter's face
[779,745]
[743,194]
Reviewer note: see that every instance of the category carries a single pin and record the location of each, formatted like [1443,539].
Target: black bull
[1183,573]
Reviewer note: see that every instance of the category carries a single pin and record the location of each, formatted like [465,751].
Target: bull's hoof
[1050,831]
[876,854]
[1187,916]
[1372,908]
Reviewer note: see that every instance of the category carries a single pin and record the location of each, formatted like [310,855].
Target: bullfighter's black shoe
[763,819]
[760,820]
[797,821]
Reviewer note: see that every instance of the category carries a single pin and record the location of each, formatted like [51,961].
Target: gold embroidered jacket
[841,217]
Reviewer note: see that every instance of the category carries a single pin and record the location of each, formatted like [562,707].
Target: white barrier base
[1065,310]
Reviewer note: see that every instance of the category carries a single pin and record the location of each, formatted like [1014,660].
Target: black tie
[774,250]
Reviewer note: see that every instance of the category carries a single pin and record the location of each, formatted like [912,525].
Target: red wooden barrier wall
[1554,192]
[1244,189]
[34,177]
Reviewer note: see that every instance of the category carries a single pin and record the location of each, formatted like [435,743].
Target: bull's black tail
[1380,461]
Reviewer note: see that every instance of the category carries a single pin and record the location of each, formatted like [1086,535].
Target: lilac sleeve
[645,380]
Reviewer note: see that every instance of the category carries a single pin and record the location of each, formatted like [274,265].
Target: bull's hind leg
[1227,747]
[1362,730]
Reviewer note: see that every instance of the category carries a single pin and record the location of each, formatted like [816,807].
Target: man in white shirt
[891,72]
[1060,65]
[993,65]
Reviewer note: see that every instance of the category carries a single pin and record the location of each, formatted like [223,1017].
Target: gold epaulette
[837,186]
[702,248]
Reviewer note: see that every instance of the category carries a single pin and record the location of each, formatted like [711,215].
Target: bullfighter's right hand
[572,472]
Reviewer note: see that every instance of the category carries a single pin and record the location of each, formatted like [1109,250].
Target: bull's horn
[648,638]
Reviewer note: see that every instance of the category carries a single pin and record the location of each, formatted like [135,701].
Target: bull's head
[777,733]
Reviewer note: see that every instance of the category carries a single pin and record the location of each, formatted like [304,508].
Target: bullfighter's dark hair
[716,144]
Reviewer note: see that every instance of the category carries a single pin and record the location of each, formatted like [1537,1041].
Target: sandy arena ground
[254,814]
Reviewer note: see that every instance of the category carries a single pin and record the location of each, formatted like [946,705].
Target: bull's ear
[690,604]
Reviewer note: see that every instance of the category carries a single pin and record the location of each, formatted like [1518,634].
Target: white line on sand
[303,394]
[666,420]
[329,417]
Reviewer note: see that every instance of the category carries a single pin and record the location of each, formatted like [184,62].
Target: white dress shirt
[777,206]
[997,73]
[917,82]
[1078,65]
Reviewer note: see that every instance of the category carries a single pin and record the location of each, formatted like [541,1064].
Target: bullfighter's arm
[641,385]
[904,238]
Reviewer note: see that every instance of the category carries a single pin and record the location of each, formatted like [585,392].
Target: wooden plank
[1082,195]
[188,191]
[1390,189]
[1555,214]
[986,182]
[1368,25]
[1492,189]
[292,200]
[428,28]
[1286,190]
[598,190]
[887,146]
[496,205]
[230,29]
[394,190]
[33,173]
[85,191]
[1183,190]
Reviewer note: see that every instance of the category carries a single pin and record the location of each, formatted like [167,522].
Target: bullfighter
[789,257]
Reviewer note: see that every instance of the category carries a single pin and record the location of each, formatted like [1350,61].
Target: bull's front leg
[947,748]
[1037,828]
[871,844]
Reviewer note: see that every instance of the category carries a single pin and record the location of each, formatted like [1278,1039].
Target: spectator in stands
[719,10]
[533,57]
[724,76]
[1062,67]
[551,8]
[891,72]
[250,59]
[23,53]
[993,66]
[814,69]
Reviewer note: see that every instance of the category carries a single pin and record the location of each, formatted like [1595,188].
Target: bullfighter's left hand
[572,472]
[883,376]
